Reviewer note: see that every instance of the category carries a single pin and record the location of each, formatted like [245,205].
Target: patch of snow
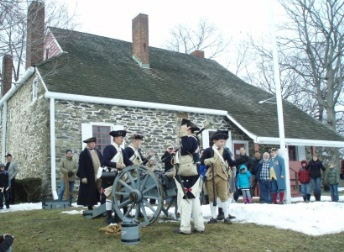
[73,212]
[340,189]
[22,207]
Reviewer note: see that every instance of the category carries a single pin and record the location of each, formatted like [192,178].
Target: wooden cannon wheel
[133,189]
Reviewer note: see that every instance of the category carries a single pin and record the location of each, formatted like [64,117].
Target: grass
[49,230]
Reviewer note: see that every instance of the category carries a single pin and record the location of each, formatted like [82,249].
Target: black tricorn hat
[137,136]
[220,135]
[90,140]
[117,133]
[188,123]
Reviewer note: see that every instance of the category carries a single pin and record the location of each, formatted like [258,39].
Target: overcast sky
[112,18]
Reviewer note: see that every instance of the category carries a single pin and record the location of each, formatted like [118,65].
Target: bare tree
[13,18]
[205,36]
[317,50]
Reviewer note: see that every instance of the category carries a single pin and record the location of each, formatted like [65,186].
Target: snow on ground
[22,207]
[315,218]
[340,189]
[73,212]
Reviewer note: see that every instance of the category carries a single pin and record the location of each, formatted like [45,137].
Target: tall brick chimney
[7,67]
[140,40]
[198,53]
[35,33]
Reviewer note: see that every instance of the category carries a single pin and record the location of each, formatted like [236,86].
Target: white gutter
[52,148]
[4,131]
[130,103]
[300,142]
[15,87]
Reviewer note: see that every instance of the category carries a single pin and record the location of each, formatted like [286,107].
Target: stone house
[79,85]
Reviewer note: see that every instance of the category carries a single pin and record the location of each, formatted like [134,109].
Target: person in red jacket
[304,178]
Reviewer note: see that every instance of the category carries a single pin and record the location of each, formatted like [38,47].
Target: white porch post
[52,148]
[283,150]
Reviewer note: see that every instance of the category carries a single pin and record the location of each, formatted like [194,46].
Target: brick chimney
[140,40]
[7,67]
[35,33]
[198,53]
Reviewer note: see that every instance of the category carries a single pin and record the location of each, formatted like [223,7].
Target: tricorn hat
[117,133]
[188,123]
[220,135]
[90,140]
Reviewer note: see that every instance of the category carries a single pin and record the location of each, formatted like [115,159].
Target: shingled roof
[103,67]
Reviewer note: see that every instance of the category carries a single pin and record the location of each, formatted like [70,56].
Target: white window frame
[300,153]
[34,89]
[87,131]
[245,142]
[205,136]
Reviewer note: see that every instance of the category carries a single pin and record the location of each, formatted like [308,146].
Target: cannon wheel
[133,188]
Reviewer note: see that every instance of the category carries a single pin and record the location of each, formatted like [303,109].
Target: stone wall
[159,127]
[28,132]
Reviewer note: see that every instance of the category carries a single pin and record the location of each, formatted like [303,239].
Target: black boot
[317,197]
[109,218]
[227,221]
[304,198]
[220,215]
[308,197]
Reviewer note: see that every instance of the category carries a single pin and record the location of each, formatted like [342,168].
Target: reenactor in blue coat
[189,187]
[114,159]
[277,176]
[134,152]
[218,162]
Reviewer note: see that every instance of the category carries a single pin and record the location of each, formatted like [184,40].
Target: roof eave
[28,73]
[300,142]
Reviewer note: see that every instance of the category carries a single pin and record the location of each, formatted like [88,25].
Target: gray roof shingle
[103,67]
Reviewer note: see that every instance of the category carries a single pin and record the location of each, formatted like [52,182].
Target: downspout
[52,149]
[4,130]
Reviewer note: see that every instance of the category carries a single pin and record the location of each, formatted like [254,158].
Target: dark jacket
[243,160]
[88,193]
[332,176]
[4,179]
[109,152]
[129,151]
[315,167]
[6,243]
[255,166]
[167,160]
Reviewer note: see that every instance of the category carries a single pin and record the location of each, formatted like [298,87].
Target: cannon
[133,188]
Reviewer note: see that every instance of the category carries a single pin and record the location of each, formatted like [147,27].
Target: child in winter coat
[243,183]
[332,179]
[4,187]
[304,178]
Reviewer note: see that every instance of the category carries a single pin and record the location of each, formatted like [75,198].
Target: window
[34,89]
[100,130]
[292,153]
[102,135]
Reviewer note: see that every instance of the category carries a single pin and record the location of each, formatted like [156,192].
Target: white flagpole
[283,150]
